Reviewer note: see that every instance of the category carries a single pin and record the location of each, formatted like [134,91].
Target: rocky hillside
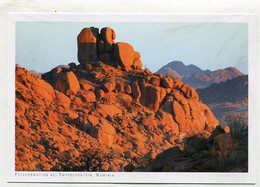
[105,114]
[196,77]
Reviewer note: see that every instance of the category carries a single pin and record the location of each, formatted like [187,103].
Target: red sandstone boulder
[211,120]
[108,86]
[77,101]
[108,35]
[189,92]
[124,55]
[87,45]
[89,96]
[109,110]
[100,94]
[167,106]
[104,133]
[154,80]
[167,82]
[137,55]
[67,83]
[137,64]
[159,75]
[136,92]
[119,87]
[150,96]
[86,87]
[177,83]
[167,121]
[93,120]
[149,123]
[127,89]
[88,35]
[179,116]
[44,89]
[62,99]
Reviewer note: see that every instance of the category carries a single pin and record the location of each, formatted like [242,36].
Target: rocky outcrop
[93,46]
[96,116]
[131,114]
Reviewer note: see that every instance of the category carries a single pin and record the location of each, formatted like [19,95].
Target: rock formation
[96,116]
[93,46]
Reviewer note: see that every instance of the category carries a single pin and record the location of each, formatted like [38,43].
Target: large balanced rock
[67,83]
[93,46]
[87,45]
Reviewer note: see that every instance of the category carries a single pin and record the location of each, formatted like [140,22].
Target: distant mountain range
[227,98]
[234,90]
[196,77]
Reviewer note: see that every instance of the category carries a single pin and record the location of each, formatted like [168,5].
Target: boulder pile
[96,116]
[93,46]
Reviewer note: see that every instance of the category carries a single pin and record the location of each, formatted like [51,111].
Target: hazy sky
[42,46]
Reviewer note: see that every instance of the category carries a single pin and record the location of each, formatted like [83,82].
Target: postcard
[131,98]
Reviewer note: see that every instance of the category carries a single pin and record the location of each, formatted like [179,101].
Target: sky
[41,46]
